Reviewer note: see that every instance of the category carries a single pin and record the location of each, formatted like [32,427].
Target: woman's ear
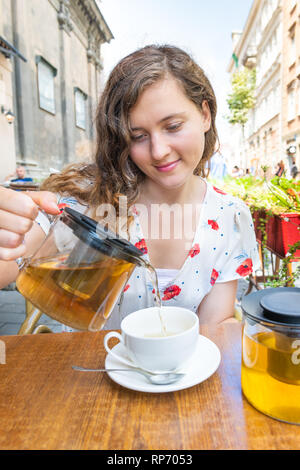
[206,116]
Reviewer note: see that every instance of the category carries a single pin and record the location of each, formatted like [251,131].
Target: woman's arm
[218,305]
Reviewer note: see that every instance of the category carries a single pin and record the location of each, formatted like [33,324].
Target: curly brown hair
[113,173]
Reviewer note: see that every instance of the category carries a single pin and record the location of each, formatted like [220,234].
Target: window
[291,104]
[277,99]
[292,48]
[80,108]
[46,74]
[293,3]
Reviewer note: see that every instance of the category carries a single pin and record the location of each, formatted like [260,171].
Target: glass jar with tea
[271,352]
[78,273]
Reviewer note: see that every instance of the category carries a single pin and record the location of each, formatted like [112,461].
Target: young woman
[155,135]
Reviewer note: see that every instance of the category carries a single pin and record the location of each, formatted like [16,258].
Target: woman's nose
[159,147]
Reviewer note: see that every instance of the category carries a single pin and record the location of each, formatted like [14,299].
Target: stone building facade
[7,135]
[54,93]
[260,45]
[7,129]
[291,82]
[271,43]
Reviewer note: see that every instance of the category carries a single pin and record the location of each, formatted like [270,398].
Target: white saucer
[204,363]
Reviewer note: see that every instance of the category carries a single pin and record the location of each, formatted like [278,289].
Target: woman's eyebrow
[170,116]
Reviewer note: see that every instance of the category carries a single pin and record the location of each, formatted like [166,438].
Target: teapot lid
[98,236]
[280,305]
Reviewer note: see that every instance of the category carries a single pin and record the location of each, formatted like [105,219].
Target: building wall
[291,81]
[260,46]
[7,137]
[7,131]
[273,129]
[68,36]
[242,41]
[263,146]
[265,131]
[39,136]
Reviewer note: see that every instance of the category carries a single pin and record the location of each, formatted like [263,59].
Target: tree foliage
[242,97]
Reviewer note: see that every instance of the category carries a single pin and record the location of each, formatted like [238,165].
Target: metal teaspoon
[156,379]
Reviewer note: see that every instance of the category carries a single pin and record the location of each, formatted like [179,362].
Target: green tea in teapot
[81,297]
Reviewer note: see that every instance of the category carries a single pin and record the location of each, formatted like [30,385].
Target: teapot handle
[52,219]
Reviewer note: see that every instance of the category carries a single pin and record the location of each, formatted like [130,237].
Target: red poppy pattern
[171,291]
[214,224]
[214,276]
[210,259]
[61,206]
[245,268]
[194,251]
[134,210]
[141,245]
[219,191]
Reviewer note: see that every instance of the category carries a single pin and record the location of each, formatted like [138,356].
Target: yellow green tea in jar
[270,375]
[270,378]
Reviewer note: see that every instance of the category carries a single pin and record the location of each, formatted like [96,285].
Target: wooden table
[46,405]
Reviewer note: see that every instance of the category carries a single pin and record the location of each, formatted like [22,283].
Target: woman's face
[167,134]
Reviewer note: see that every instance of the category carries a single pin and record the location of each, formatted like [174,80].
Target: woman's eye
[137,138]
[174,127]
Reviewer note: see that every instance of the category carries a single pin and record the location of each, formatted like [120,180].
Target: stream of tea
[157,298]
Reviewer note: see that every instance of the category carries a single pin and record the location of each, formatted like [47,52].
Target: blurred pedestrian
[280,169]
[236,172]
[294,170]
[19,176]
[218,167]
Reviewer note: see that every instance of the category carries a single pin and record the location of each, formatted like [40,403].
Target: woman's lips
[168,166]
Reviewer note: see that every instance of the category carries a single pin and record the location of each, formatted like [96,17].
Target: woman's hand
[18,211]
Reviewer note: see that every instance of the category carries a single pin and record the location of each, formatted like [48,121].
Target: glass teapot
[271,352]
[78,273]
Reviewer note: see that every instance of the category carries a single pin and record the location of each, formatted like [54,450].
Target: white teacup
[146,345]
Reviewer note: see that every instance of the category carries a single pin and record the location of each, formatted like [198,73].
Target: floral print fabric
[224,248]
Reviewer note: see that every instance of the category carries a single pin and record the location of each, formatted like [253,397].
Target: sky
[201,27]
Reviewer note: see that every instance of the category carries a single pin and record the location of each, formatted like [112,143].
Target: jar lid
[280,306]
[99,237]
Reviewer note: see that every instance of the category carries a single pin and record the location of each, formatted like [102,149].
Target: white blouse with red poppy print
[224,248]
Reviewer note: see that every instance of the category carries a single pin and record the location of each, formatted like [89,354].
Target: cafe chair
[270,272]
[30,324]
